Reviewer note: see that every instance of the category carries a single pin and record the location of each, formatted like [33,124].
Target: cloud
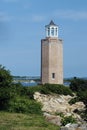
[60,14]
[70,14]
[38,18]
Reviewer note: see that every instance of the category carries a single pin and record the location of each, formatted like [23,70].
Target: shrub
[68,119]
[6,94]
[74,100]
[58,89]
[29,91]
[83,114]
[5,87]
[4,98]
[82,96]
[18,88]
[24,105]
[5,77]
[45,89]
[78,84]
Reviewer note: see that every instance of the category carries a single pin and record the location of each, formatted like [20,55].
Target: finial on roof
[52,23]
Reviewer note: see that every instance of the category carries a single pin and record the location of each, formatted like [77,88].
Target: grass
[15,121]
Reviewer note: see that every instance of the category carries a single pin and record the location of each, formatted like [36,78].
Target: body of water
[29,84]
[35,83]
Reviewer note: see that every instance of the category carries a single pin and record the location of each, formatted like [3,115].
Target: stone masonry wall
[52,60]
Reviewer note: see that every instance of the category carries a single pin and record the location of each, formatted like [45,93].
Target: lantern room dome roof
[51,23]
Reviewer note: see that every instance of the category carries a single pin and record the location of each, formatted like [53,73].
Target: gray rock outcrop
[75,127]
[59,104]
[52,104]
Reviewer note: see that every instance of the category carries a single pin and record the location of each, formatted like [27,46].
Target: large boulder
[53,119]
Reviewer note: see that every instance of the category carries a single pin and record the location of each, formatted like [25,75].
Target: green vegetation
[5,84]
[74,100]
[5,77]
[68,119]
[24,105]
[48,89]
[13,98]
[24,112]
[15,121]
[79,86]
[57,89]
[59,114]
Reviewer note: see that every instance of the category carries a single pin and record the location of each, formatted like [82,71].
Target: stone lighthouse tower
[51,56]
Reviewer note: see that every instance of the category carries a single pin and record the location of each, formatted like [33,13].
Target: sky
[22,26]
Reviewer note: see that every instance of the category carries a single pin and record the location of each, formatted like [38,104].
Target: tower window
[48,31]
[56,31]
[52,31]
[53,75]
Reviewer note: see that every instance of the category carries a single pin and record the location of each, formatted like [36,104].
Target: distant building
[51,56]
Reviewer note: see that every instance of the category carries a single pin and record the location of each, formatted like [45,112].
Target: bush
[5,87]
[47,89]
[6,94]
[83,114]
[78,84]
[5,77]
[82,95]
[24,105]
[74,100]
[68,119]
[18,88]
[58,89]
[4,98]
[29,91]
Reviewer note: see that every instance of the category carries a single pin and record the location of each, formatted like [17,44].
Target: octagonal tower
[51,56]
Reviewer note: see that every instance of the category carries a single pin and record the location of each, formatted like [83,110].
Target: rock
[78,106]
[83,126]
[74,127]
[58,104]
[71,125]
[53,119]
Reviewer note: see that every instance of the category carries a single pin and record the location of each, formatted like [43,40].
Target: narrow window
[56,31]
[53,75]
[48,31]
[52,31]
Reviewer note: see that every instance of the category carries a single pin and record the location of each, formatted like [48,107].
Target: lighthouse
[51,56]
